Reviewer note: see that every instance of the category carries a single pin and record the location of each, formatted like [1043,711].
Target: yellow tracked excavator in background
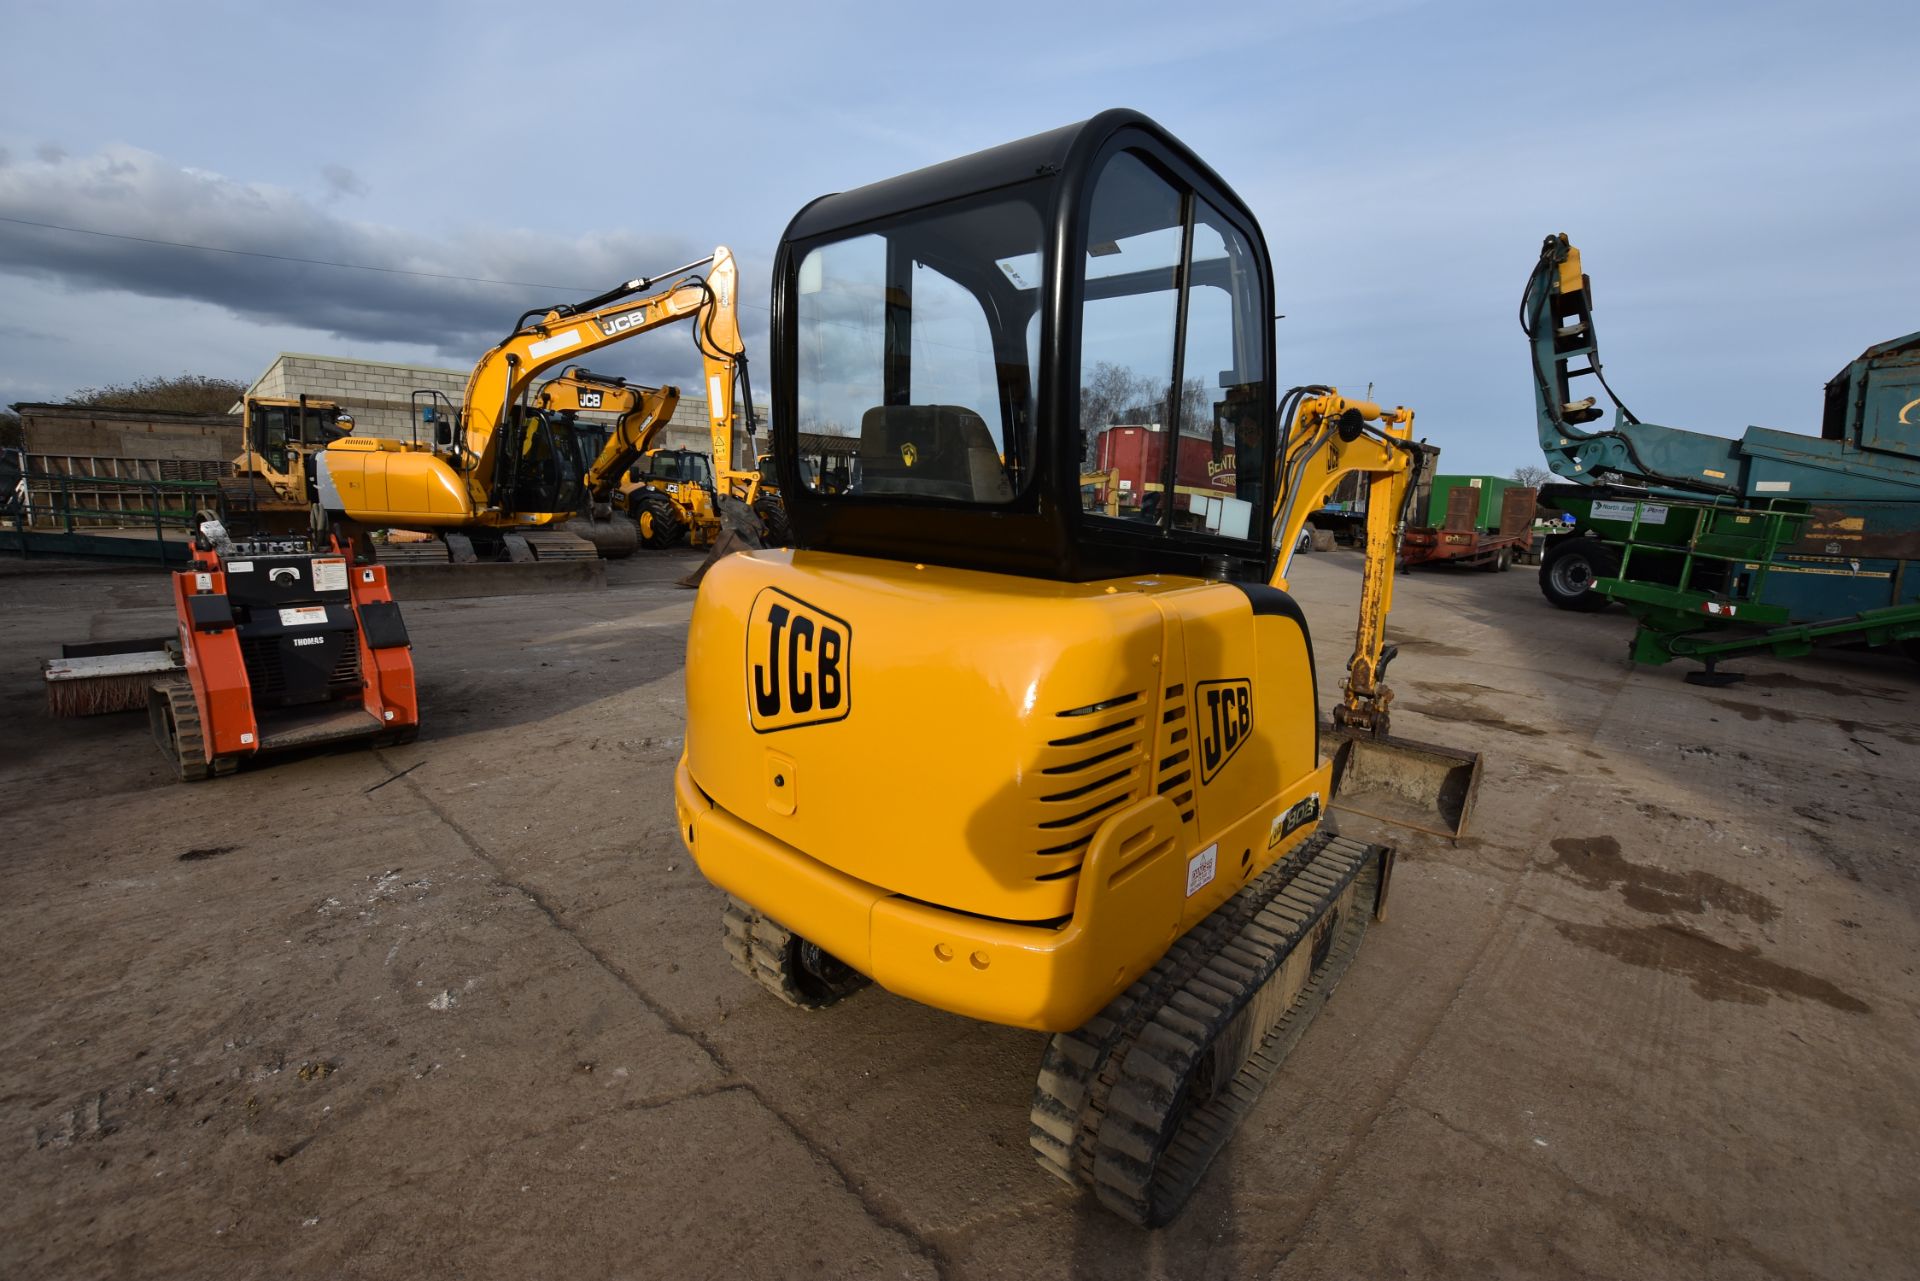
[615,478]
[1010,748]
[505,479]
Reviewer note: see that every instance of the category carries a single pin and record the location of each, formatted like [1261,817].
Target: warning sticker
[1200,869]
[303,616]
[330,575]
[239,567]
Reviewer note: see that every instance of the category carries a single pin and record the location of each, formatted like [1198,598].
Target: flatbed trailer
[1463,527]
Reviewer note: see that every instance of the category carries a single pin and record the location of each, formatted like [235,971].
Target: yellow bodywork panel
[1001,796]
[388,482]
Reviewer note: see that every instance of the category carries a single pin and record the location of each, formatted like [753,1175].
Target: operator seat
[931,451]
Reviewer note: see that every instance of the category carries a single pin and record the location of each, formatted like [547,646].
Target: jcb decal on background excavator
[1224,712]
[797,663]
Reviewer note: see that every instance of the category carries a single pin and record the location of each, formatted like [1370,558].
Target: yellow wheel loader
[268,492]
[999,744]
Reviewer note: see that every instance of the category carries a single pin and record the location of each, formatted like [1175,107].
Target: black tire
[1568,570]
[1500,562]
[659,520]
[774,531]
[1507,555]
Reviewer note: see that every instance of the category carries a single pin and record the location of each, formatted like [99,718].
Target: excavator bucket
[729,542]
[1414,785]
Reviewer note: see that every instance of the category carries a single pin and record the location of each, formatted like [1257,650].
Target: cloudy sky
[1744,179]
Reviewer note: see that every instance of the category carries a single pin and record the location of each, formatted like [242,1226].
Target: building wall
[80,431]
[377,393]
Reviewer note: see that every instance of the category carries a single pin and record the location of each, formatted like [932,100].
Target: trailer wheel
[1568,570]
[1504,561]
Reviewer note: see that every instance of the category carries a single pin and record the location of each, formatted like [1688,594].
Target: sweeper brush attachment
[1420,786]
[111,676]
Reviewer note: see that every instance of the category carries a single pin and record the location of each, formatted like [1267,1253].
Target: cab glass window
[1222,453]
[1131,272]
[912,357]
[1172,363]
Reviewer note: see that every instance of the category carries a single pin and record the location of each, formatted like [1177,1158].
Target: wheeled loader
[1017,752]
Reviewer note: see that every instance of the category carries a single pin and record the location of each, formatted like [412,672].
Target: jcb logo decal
[1223,710]
[797,663]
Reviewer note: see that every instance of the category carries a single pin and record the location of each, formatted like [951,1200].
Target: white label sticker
[303,616]
[1650,513]
[1200,869]
[240,567]
[1475,481]
[330,575]
[714,409]
[559,342]
[1774,486]
[204,582]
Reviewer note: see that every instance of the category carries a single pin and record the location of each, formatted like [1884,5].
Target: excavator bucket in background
[1415,785]
[731,540]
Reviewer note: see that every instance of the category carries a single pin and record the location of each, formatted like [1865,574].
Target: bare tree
[1532,477]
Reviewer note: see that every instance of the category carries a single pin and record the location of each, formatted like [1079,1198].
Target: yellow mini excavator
[502,477]
[1009,747]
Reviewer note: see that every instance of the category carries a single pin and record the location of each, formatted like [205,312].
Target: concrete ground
[460,1008]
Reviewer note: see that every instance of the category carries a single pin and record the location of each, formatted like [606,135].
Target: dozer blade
[1415,785]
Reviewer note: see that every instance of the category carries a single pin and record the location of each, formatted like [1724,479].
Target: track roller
[1136,1104]
[792,968]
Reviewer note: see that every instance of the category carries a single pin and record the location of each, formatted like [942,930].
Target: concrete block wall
[378,394]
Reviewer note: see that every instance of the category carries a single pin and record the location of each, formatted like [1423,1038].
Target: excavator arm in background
[1329,437]
[472,479]
[506,372]
[642,413]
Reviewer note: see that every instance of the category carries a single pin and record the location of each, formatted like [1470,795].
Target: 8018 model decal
[1223,713]
[798,663]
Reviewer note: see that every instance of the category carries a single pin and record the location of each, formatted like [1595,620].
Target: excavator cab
[972,370]
[279,430]
[998,741]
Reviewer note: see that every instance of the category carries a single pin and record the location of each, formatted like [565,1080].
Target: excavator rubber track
[792,968]
[559,545]
[1136,1104]
[429,551]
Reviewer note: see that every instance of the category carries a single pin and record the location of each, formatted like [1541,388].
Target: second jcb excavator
[502,477]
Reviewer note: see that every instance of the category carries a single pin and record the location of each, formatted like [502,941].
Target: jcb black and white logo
[590,400]
[798,663]
[1223,711]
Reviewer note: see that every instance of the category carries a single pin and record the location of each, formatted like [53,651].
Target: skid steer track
[1136,1103]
